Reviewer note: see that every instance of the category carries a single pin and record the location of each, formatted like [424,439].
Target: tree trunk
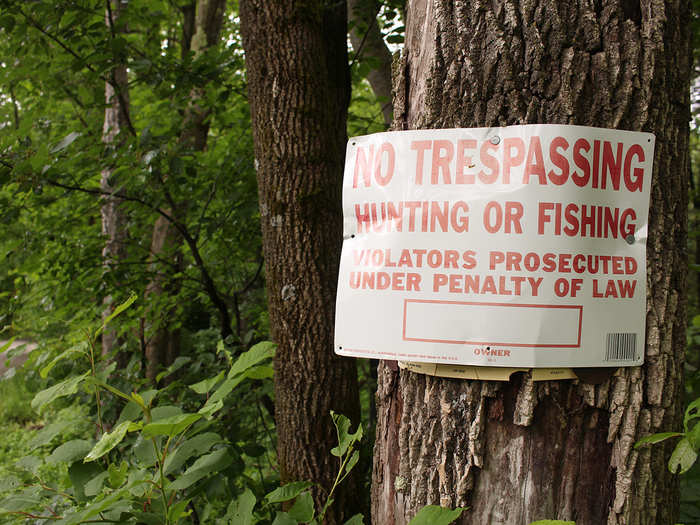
[520,451]
[114,218]
[201,29]
[298,84]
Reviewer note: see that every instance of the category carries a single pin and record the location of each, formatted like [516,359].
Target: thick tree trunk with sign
[520,451]
[298,77]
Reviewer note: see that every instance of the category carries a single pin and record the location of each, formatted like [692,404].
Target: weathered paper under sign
[521,246]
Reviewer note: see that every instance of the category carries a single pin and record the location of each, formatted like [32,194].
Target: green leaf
[258,353]
[9,482]
[203,467]
[170,426]
[46,434]
[177,511]
[691,412]
[434,515]
[73,350]
[70,452]
[62,389]
[29,463]
[206,385]
[656,438]
[352,461]
[240,510]
[65,142]
[119,309]
[117,475]
[303,508]
[209,409]
[108,441]
[357,519]
[80,474]
[288,491]
[177,365]
[282,518]
[189,448]
[345,438]
[144,451]
[682,458]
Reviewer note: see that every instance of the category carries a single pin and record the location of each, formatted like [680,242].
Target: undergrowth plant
[153,463]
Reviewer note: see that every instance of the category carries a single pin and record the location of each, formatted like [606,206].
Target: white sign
[522,246]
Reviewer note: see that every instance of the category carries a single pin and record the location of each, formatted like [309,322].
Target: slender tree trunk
[518,451]
[114,218]
[368,42]
[201,29]
[298,84]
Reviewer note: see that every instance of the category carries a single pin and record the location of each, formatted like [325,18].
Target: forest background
[128,178]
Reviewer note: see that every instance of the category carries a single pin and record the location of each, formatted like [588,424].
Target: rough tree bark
[201,29]
[114,219]
[298,84]
[367,42]
[519,451]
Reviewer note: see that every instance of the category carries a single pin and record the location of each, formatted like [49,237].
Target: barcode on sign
[621,347]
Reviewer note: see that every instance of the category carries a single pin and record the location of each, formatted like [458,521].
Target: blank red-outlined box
[494,324]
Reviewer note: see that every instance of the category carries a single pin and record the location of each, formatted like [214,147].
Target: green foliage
[685,453]
[434,515]
[150,467]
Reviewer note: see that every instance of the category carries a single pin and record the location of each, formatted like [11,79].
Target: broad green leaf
[220,393]
[9,482]
[206,385]
[70,451]
[164,412]
[656,438]
[19,503]
[258,353]
[29,463]
[144,451]
[357,519]
[288,491]
[434,515]
[209,409]
[240,511]
[352,461]
[117,499]
[189,448]
[177,511]
[203,467]
[119,309]
[66,387]
[170,426]
[282,518]
[260,372]
[73,350]
[694,436]
[108,441]
[345,438]
[177,365]
[46,434]
[117,475]
[682,458]
[691,412]
[94,486]
[303,508]
[80,474]
[65,142]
